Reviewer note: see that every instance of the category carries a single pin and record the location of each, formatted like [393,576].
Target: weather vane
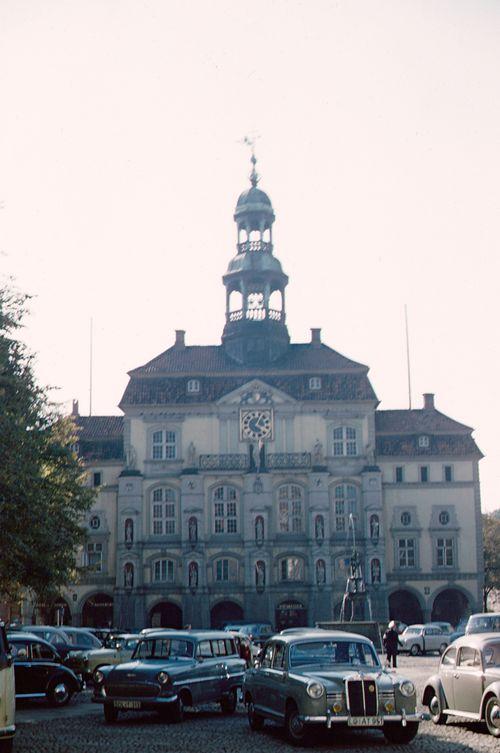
[250,141]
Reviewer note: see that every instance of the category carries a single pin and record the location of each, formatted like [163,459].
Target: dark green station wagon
[326,679]
[170,670]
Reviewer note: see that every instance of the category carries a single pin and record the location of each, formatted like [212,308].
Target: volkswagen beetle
[326,679]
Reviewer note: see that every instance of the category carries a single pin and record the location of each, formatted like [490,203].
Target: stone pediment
[256,392]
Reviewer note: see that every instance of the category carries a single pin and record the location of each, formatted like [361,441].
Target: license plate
[365,721]
[127,704]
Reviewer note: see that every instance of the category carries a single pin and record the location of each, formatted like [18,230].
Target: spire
[254,176]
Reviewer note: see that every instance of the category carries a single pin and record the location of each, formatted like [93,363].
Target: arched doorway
[451,605]
[290,614]
[224,612]
[166,614]
[404,606]
[98,611]
[54,613]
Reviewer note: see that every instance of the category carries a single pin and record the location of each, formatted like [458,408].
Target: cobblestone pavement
[80,728]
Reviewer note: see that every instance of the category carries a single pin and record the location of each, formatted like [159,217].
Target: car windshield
[491,655]
[354,653]
[163,648]
[484,624]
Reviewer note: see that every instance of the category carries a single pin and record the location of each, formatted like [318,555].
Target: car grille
[139,689]
[362,697]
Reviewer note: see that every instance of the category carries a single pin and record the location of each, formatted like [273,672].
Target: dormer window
[193,385]
[423,441]
[315,383]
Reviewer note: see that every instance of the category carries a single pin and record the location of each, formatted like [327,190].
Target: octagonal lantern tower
[255,332]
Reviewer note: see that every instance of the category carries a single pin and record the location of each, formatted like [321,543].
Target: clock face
[256,423]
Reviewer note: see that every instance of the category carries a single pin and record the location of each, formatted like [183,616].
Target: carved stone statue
[318,456]
[129,531]
[130,457]
[260,574]
[193,530]
[259,530]
[376,572]
[320,572]
[319,528]
[193,575]
[374,529]
[128,575]
[191,454]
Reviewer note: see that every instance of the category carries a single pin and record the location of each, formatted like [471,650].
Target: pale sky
[379,123]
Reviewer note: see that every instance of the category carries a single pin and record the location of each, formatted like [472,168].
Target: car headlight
[315,689]
[407,688]
[162,678]
[98,677]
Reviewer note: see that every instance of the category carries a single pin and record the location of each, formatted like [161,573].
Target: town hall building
[242,479]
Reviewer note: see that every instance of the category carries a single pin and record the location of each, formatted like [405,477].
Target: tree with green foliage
[491,541]
[42,497]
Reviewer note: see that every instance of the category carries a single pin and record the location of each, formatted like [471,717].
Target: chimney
[179,338]
[428,401]
[316,335]
[74,410]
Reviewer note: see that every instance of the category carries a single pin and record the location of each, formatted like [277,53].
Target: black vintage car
[39,671]
[170,670]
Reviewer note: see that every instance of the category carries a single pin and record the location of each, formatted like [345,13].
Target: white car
[7,695]
[119,651]
[420,639]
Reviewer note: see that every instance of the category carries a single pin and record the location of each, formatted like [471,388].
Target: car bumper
[7,732]
[331,719]
[145,704]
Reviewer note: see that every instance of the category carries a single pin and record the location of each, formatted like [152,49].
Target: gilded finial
[250,141]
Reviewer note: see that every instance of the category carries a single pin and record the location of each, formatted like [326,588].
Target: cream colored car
[7,695]
[120,650]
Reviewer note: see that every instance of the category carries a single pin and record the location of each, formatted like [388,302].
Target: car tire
[177,711]
[492,716]
[442,648]
[229,702]
[436,711]
[415,650]
[256,721]
[296,731]
[110,713]
[395,732]
[59,693]
[7,746]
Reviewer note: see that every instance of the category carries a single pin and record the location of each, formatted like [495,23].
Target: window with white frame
[315,383]
[291,568]
[163,571]
[423,441]
[164,512]
[193,385]
[444,551]
[164,444]
[225,570]
[93,556]
[344,441]
[406,553]
[291,508]
[225,507]
[345,503]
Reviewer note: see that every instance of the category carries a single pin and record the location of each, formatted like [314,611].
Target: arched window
[344,441]
[345,498]
[290,509]
[164,571]
[225,508]
[164,512]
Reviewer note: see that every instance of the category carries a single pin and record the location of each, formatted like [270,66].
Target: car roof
[476,640]
[315,635]
[193,634]
[25,636]
[484,614]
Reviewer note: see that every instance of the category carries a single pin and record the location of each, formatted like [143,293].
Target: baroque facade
[240,475]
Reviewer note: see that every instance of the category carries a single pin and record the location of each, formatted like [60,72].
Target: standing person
[391,643]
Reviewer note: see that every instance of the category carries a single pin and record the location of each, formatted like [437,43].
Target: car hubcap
[61,692]
[434,706]
[495,716]
[296,726]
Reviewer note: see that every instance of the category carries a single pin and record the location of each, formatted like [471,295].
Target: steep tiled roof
[197,360]
[442,444]
[416,421]
[100,437]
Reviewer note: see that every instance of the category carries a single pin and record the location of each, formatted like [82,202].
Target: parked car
[120,650]
[258,632]
[420,639]
[170,670]
[468,682]
[72,644]
[446,627]
[459,630]
[39,671]
[83,639]
[311,680]
[484,622]
[7,695]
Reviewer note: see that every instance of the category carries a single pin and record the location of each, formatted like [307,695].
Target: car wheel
[177,711]
[110,713]
[297,732]
[442,648]
[59,693]
[395,732]
[492,716]
[436,711]
[415,650]
[256,721]
[228,702]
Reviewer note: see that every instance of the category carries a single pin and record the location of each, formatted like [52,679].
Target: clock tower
[255,332]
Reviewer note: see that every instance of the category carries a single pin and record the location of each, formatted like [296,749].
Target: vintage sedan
[170,670]
[7,695]
[326,679]
[119,650]
[468,682]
